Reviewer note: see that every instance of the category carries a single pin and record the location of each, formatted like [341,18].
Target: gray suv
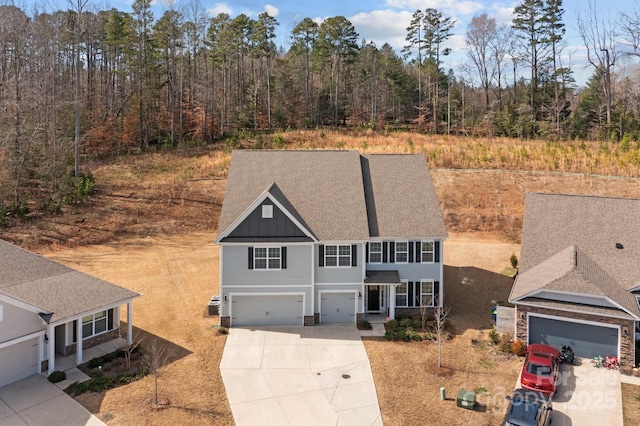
[528,408]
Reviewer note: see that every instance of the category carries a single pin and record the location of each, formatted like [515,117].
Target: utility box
[466,399]
[214,305]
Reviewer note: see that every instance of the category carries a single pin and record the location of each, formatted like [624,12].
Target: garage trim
[262,294]
[21,339]
[355,305]
[575,321]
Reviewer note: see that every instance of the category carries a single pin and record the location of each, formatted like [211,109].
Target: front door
[373,298]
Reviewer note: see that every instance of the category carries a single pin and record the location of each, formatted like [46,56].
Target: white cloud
[272,10]
[450,7]
[501,13]
[219,8]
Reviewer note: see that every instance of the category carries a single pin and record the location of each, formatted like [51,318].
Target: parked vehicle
[541,368]
[528,408]
[566,354]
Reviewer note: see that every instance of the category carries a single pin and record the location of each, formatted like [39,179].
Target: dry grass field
[151,224]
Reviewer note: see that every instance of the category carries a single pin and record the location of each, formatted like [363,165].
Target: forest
[84,82]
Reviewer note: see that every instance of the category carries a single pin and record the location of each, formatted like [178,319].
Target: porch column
[41,349]
[129,323]
[79,341]
[392,301]
[51,348]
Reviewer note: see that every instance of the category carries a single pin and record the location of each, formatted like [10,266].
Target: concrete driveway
[299,376]
[35,401]
[587,396]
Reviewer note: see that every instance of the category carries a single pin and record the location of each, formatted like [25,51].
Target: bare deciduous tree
[440,334]
[155,359]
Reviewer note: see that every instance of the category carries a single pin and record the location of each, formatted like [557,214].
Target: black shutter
[250,257]
[410,293]
[436,250]
[418,293]
[385,257]
[419,251]
[392,252]
[366,253]
[354,255]
[283,258]
[436,292]
[321,255]
[411,251]
[110,319]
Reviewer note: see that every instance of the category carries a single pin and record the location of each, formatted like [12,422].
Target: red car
[540,370]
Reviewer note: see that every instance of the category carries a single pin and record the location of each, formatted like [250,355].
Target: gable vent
[619,246]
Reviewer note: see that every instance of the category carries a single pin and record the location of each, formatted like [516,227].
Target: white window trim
[375,252]
[422,293]
[406,252]
[337,256]
[433,252]
[93,324]
[267,258]
[405,294]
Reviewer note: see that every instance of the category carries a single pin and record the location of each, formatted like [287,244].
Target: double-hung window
[426,293]
[402,251]
[375,252]
[94,324]
[401,294]
[267,258]
[427,251]
[337,255]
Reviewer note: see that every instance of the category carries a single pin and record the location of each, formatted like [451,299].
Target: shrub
[518,347]
[57,376]
[364,325]
[223,330]
[391,324]
[514,261]
[97,384]
[22,209]
[406,322]
[505,343]
[494,336]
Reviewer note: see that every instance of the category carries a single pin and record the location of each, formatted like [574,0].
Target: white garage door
[18,361]
[337,307]
[267,310]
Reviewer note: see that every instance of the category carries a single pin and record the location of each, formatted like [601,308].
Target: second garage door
[18,361]
[337,307]
[586,340]
[267,310]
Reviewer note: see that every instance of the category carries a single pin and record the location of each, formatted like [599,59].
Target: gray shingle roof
[53,287]
[559,228]
[382,277]
[401,199]
[338,195]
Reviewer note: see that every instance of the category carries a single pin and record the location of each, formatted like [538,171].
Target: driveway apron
[35,401]
[299,376]
[587,396]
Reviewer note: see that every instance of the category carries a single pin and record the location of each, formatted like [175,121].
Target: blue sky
[383,21]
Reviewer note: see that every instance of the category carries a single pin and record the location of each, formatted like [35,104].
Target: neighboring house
[311,237]
[579,274]
[47,308]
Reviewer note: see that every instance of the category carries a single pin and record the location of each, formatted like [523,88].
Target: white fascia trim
[576,311]
[339,284]
[23,305]
[588,296]
[268,244]
[269,286]
[265,194]
[93,311]
[22,339]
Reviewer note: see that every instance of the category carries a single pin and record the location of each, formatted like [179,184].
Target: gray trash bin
[214,305]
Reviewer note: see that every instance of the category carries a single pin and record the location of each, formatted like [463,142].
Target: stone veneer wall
[101,338]
[626,342]
[309,320]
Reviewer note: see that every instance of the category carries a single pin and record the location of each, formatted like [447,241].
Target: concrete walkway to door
[299,376]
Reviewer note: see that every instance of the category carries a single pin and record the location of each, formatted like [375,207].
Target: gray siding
[238,278]
[18,322]
[410,271]
[324,274]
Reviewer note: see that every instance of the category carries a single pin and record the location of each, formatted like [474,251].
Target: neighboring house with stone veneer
[311,237]
[579,278]
[47,308]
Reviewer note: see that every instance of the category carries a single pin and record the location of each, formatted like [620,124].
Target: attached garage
[586,340]
[337,307]
[18,361]
[272,309]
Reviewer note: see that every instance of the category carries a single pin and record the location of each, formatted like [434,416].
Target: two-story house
[311,237]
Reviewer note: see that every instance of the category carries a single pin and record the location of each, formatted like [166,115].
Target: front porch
[69,366]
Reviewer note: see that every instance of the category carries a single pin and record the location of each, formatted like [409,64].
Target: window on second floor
[402,251]
[427,251]
[266,258]
[375,252]
[337,255]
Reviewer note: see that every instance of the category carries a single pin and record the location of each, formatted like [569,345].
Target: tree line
[81,81]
